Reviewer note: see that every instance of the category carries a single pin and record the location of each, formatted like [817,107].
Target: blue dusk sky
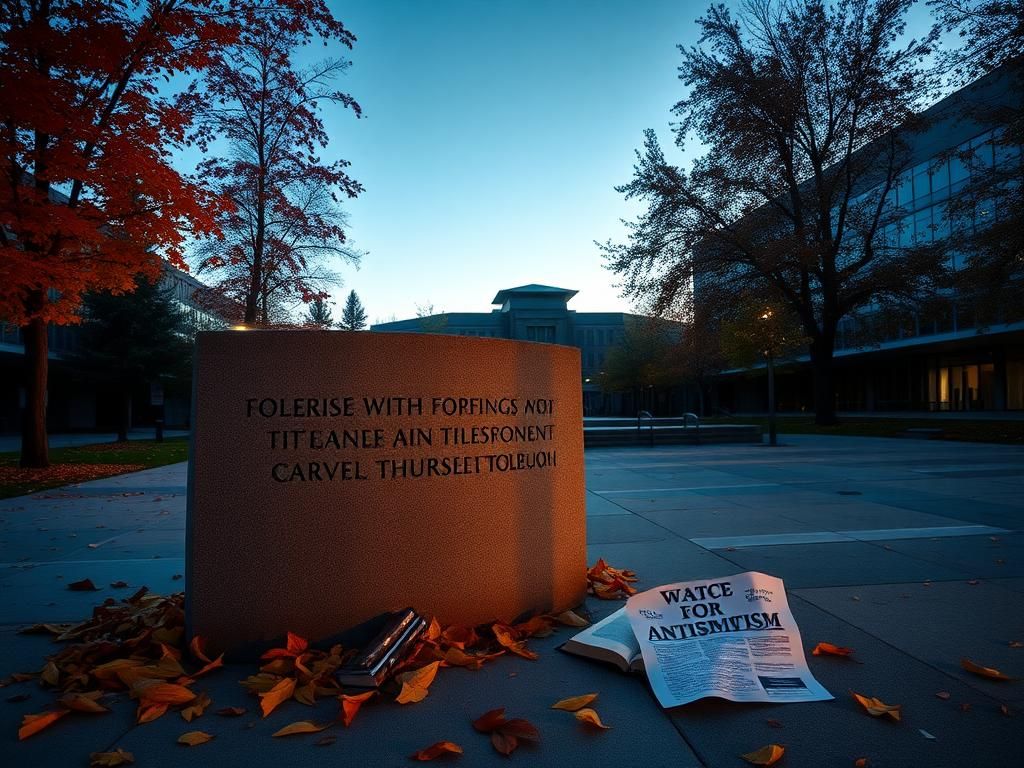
[494,134]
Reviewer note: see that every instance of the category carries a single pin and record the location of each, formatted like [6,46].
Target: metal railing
[650,420]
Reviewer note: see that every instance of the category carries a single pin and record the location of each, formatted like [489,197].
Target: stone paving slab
[938,624]
[615,529]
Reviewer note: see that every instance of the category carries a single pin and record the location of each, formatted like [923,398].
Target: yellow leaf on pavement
[281,692]
[110,759]
[992,674]
[877,707]
[574,703]
[590,717]
[302,726]
[194,738]
[768,755]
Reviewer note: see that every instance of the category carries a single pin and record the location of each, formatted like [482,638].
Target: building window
[545,333]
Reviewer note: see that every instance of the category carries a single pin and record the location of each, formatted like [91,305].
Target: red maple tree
[259,114]
[89,200]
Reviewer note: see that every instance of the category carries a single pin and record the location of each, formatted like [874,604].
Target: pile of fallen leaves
[137,646]
[62,474]
[609,583]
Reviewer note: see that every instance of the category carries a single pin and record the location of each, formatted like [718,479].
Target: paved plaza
[908,551]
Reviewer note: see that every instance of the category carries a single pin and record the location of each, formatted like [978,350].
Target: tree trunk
[35,451]
[824,383]
[124,421]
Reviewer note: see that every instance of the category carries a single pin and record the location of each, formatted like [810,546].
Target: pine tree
[319,314]
[353,318]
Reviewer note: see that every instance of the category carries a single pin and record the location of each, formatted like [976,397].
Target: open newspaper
[732,637]
[611,640]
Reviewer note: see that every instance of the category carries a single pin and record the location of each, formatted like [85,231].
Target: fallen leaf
[507,639]
[215,664]
[231,711]
[325,741]
[571,619]
[992,674]
[270,700]
[110,759]
[85,585]
[520,728]
[302,726]
[50,674]
[490,720]
[83,702]
[504,743]
[294,645]
[768,755]
[944,695]
[306,694]
[147,713]
[196,708]
[350,705]
[590,717]
[33,724]
[774,723]
[831,650]
[194,738]
[436,750]
[861,762]
[877,708]
[115,585]
[415,684]
[159,692]
[574,703]
[1016,644]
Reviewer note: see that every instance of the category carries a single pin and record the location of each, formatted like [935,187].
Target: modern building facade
[73,401]
[948,359]
[539,313]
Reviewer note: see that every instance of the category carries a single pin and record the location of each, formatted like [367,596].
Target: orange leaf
[157,692]
[436,750]
[197,649]
[538,626]
[33,724]
[507,638]
[110,759]
[861,762]
[306,694]
[992,674]
[210,666]
[350,705]
[147,713]
[83,702]
[574,702]
[590,717]
[196,708]
[416,683]
[302,726]
[194,738]
[270,700]
[520,728]
[831,650]
[460,637]
[768,755]
[433,633]
[490,720]
[504,743]
[231,711]
[877,707]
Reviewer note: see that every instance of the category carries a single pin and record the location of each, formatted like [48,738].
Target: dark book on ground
[382,654]
[611,640]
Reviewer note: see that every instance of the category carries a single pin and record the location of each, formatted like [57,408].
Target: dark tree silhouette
[353,317]
[319,314]
[796,104]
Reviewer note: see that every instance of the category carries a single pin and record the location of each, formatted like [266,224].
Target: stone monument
[336,475]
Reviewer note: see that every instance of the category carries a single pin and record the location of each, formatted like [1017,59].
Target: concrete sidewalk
[910,552]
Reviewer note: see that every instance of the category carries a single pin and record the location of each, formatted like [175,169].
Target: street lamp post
[770,358]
